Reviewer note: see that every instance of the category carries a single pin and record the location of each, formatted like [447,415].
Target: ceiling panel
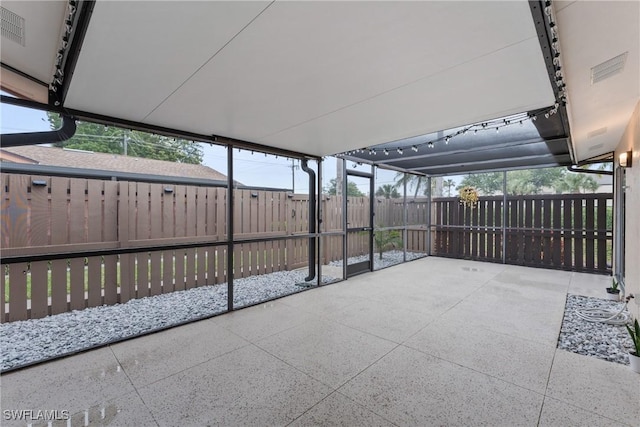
[136,53]
[42,35]
[592,32]
[512,141]
[488,87]
[311,76]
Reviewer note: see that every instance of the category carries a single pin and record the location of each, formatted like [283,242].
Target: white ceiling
[314,77]
[591,32]
[43,30]
[326,77]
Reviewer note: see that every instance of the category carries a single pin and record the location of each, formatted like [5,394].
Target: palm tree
[387,191]
[448,183]
[413,181]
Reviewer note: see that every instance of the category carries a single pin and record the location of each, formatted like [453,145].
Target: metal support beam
[504,217]
[319,215]
[230,201]
[404,219]
[428,239]
[343,167]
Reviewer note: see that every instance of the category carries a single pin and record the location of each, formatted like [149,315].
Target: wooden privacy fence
[52,215]
[56,215]
[564,231]
[387,213]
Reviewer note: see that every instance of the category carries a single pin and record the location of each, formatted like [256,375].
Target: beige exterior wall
[631,142]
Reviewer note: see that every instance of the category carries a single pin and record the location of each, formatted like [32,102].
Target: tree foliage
[352,188]
[531,181]
[388,191]
[485,183]
[449,184]
[385,240]
[414,182]
[111,139]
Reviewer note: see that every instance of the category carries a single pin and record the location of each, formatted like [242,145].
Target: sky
[253,169]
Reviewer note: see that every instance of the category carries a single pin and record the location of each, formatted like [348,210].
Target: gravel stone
[606,342]
[34,340]
[388,259]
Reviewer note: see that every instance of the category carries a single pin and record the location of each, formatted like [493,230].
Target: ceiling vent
[12,26]
[596,147]
[596,132]
[608,68]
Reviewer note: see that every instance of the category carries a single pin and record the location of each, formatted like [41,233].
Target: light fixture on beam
[624,159]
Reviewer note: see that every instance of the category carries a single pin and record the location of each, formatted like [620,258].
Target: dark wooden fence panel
[565,231]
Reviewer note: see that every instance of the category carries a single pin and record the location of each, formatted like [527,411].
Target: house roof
[52,156]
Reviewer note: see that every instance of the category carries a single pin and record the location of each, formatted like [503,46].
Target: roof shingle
[53,156]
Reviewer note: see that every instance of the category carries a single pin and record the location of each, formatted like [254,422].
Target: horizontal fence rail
[561,231]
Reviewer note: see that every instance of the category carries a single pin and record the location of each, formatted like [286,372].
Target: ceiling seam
[396,88]
[481,162]
[207,61]
[481,149]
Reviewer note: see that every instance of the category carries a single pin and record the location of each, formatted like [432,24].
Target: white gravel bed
[388,259]
[607,342]
[30,341]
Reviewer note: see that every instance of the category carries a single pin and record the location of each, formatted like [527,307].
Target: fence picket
[18,291]
[168,230]
[601,234]
[59,235]
[156,232]
[3,284]
[568,233]
[40,233]
[191,209]
[590,225]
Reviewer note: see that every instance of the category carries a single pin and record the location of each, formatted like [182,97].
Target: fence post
[123,238]
[428,237]
[504,217]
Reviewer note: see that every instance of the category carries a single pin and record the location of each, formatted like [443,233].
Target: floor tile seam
[532,340]
[271,335]
[366,408]
[247,344]
[429,323]
[283,299]
[570,403]
[135,389]
[324,313]
[479,286]
[502,380]
[367,367]
[332,322]
[544,398]
[353,328]
[332,388]
[344,396]
[587,410]
[399,310]
[509,335]
[335,321]
[311,407]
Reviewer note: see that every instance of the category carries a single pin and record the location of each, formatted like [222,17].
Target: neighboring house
[69,158]
[605,183]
